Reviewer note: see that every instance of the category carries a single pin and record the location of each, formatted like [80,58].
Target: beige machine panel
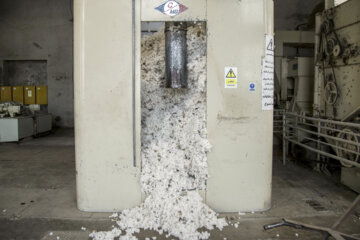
[239,130]
[196,11]
[106,177]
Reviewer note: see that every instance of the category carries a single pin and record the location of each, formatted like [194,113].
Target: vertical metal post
[284,137]
[134,79]
[318,146]
[296,128]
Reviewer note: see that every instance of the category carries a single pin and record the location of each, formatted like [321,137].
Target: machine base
[15,129]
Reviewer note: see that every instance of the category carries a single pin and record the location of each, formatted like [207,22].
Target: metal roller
[176,55]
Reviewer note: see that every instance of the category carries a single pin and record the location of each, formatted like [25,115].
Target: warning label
[230,77]
[270,43]
[268,74]
[231,74]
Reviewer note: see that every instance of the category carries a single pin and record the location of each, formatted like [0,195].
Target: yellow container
[5,94]
[29,95]
[18,94]
[41,95]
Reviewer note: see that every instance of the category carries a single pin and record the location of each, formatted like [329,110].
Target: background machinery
[331,130]
[21,113]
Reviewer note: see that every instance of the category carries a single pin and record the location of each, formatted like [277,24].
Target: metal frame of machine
[337,82]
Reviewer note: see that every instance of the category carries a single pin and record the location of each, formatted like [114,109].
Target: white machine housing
[107,82]
[14,129]
[16,124]
[301,39]
[301,70]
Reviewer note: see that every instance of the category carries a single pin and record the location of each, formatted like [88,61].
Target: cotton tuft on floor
[174,147]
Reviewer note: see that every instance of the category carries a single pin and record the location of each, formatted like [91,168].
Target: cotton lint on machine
[238,98]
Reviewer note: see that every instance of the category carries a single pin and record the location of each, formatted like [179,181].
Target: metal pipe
[176,55]
[356,164]
[284,139]
[332,129]
[347,213]
[331,145]
[318,147]
[325,136]
[348,124]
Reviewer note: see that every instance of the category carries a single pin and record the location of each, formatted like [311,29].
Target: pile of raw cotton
[174,147]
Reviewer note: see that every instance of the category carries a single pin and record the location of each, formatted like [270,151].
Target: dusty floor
[37,197]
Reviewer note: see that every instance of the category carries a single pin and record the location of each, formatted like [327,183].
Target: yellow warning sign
[231,74]
[230,81]
[230,77]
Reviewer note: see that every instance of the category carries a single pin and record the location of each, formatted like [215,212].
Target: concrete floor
[37,197]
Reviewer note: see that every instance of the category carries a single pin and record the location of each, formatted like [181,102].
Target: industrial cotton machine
[239,97]
[337,84]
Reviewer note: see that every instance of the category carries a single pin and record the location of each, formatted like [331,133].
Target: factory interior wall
[25,72]
[288,14]
[41,30]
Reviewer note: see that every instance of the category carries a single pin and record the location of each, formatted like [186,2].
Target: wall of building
[42,30]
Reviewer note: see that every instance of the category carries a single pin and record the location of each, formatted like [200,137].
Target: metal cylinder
[176,55]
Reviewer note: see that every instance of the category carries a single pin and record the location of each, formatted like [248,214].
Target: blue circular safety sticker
[252,86]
